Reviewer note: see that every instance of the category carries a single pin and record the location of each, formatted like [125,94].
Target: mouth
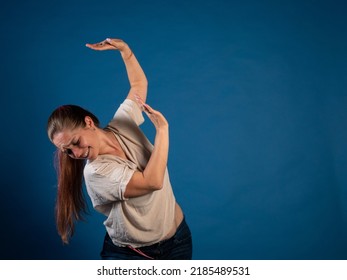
[86,154]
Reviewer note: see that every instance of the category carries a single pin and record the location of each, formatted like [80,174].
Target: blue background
[255,93]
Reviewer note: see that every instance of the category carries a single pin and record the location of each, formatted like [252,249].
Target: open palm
[108,44]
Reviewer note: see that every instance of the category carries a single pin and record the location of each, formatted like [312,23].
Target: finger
[95,46]
[140,102]
[147,109]
[111,42]
[90,46]
[98,47]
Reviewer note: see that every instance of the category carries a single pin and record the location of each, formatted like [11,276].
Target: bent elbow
[157,186]
[154,182]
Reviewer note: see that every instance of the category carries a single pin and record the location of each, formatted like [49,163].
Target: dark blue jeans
[178,247]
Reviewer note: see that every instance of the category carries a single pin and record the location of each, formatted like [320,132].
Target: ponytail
[70,203]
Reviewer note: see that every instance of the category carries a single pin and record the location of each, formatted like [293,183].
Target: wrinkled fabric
[139,221]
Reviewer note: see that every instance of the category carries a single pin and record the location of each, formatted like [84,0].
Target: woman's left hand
[109,44]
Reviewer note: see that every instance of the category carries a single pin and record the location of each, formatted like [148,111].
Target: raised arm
[152,178]
[137,78]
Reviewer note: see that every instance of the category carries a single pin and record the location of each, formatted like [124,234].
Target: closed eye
[68,152]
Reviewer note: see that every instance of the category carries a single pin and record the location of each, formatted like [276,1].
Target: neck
[109,144]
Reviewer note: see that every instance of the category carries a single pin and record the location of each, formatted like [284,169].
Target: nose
[77,152]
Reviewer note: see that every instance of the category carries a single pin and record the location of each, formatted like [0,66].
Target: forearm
[156,166]
[152,178]
[137,78]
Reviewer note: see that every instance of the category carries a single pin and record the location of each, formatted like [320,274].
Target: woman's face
[78,143]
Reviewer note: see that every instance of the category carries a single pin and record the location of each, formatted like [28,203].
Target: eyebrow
[63,146]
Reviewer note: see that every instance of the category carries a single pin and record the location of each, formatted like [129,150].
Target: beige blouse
[139,221]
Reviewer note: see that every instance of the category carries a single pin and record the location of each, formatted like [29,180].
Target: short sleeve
[106,181]
[129,109]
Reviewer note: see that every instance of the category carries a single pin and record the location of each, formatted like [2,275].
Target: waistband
[140,250]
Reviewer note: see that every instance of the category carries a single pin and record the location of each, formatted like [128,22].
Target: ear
[89,122]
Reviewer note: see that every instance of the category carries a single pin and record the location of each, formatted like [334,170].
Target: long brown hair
[70,203]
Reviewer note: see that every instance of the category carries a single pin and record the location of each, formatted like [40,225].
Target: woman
[125,175]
